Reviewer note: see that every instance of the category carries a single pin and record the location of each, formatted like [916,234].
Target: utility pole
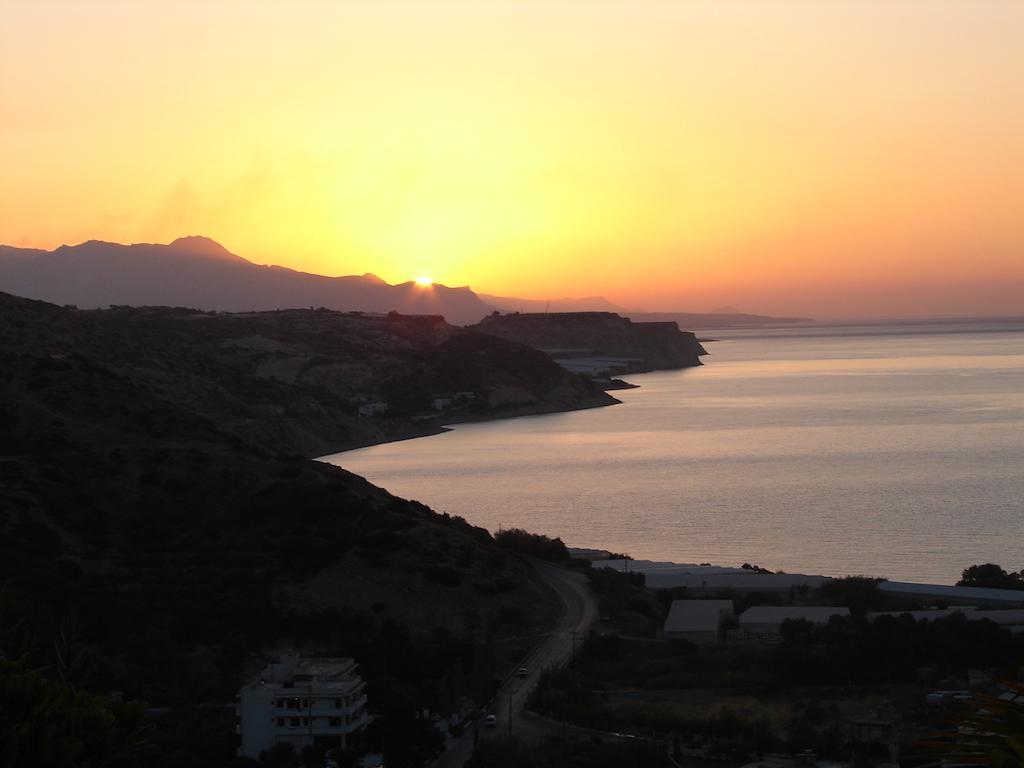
[309,708]
[510,716]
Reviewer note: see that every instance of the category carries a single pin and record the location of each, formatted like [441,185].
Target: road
[579,611]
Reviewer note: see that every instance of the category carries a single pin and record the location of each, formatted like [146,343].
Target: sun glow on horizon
[782,157]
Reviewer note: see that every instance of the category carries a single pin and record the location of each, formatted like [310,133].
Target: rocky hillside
[151,493]
[659,345]
[302,381]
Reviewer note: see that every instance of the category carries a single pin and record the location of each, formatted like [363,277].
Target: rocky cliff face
[659,345]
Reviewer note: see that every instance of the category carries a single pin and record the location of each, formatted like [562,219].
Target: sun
[425,282]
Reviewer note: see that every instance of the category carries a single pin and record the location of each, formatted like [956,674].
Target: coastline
[437,425]
[428,426]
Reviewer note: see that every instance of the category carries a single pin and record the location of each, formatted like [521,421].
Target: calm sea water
[893,451]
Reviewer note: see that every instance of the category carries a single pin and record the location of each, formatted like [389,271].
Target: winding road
[579,611]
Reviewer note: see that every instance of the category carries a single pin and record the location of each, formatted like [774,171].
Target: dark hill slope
[137,497]
[293,381]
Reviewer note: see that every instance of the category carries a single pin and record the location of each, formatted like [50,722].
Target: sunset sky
[826,158]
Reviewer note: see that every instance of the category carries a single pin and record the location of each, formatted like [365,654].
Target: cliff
[651,346]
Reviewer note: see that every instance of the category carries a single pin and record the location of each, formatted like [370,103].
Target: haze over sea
[894,451]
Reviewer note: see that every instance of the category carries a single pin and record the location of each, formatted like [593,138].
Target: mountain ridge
[196,271]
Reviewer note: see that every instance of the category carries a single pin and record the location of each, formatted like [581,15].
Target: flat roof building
[712,578]
[301,702]
[699,621]
[962,595]
[765,621]
[930,614]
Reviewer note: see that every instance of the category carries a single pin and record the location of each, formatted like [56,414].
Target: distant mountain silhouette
[203,247]
[9,254]
[200,273]
[587,304]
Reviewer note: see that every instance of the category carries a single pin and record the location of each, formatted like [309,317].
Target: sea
[891,450]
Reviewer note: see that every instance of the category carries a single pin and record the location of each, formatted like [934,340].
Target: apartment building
[301,701]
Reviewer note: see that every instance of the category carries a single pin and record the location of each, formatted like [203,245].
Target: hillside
[296,381]
[198,272]
[652,346]
[151,490]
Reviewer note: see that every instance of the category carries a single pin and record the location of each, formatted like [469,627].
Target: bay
[895,451]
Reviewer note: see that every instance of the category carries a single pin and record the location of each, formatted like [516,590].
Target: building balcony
[320,728]
[322,701]
[322,706]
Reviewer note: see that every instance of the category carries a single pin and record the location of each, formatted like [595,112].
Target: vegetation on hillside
[146,504]
[532,545]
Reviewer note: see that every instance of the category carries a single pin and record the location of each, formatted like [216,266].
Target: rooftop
[294,671]
[965,594]
[696,615]
[929,614]
[776,614]
[662,575]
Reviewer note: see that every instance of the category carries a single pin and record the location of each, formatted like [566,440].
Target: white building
[301,701]
[763,622]
[374,408]
[698,621]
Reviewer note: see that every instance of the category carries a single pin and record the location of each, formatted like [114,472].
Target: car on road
[490,720]
[523,672]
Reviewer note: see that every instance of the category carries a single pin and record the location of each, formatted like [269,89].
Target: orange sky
[823,158]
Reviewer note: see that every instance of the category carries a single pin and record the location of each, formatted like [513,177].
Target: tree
[49,723]
[991,576]
[858,593]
